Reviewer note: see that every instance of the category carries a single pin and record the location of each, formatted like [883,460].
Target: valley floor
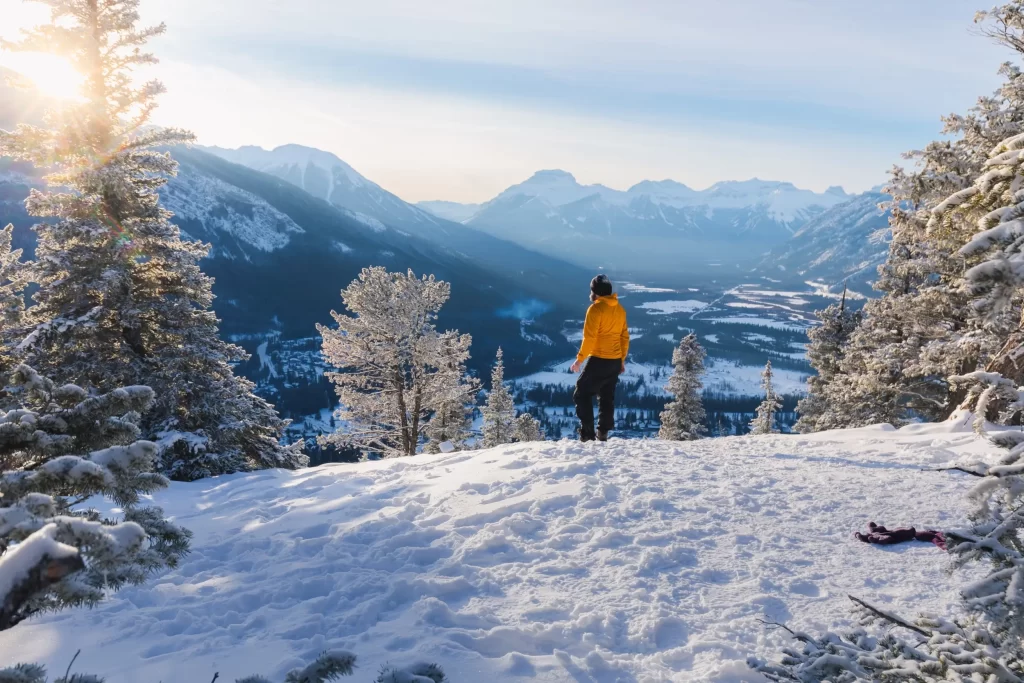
[553,561]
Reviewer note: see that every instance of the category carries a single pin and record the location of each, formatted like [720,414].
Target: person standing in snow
[605,344]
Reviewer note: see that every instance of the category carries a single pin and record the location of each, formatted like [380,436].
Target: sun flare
[51,75]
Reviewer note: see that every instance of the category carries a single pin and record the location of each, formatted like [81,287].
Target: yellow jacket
[605,333]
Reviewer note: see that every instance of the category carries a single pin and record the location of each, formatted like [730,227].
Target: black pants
[599,378]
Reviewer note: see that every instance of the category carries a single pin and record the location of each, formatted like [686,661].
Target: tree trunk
[404,418]
[415,436]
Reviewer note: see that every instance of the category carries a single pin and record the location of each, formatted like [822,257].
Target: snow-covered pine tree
[500,411]
[528,428]
[992,208]
[452,420]
[59,449]
[13,280]
[764,421]
[395,369]
[683,418]
[825,352]
[423,672]
[921,331]
[451,424]
[121,298]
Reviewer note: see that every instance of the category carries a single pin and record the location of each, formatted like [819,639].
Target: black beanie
[601,286]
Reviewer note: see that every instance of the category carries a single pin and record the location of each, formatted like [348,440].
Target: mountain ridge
[559,187]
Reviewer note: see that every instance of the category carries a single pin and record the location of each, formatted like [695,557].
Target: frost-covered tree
[528,428]
[13,280]
[395,370]
[764,420]
[922,331]
[121,299]
[451,424]
[683,418]
[500,411]
[417,673]
[825,352]
[993,208]
[452,420]
[329,666]
[60,449]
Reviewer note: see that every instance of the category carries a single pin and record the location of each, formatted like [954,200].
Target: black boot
[602,435]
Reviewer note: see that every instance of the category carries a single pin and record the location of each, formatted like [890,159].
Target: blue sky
[457,99]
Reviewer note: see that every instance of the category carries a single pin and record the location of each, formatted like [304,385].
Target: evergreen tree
[500,411]
[452,421]
[528,428]
[683,418]
[13,280]
[995,276]
[764,421]
[121,298]
[825,352]
[395,368]
[921,331]
[59,449]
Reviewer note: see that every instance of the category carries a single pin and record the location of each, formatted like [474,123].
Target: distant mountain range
[654,225]
[290,227]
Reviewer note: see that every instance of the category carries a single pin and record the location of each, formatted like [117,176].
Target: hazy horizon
[458,101]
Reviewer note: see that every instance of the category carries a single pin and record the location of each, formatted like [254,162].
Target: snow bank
[669,307]
[631,560]
[721,376]
[646,289]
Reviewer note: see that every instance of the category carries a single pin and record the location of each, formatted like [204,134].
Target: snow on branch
[60,447]
[30,568]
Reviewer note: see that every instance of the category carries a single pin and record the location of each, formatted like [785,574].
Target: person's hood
[611,299]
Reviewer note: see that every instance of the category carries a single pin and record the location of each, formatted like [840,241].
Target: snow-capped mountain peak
[664,192]
[556,187]
[294,163]
[325,176]
[554,175]
[754,186]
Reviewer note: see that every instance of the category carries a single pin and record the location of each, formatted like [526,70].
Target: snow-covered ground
[727,377]
[552,561]
[645,289]
[669,307]
[720,375]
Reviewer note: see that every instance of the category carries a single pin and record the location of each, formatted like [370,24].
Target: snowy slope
[625,561]
[721,376]
[230,218]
